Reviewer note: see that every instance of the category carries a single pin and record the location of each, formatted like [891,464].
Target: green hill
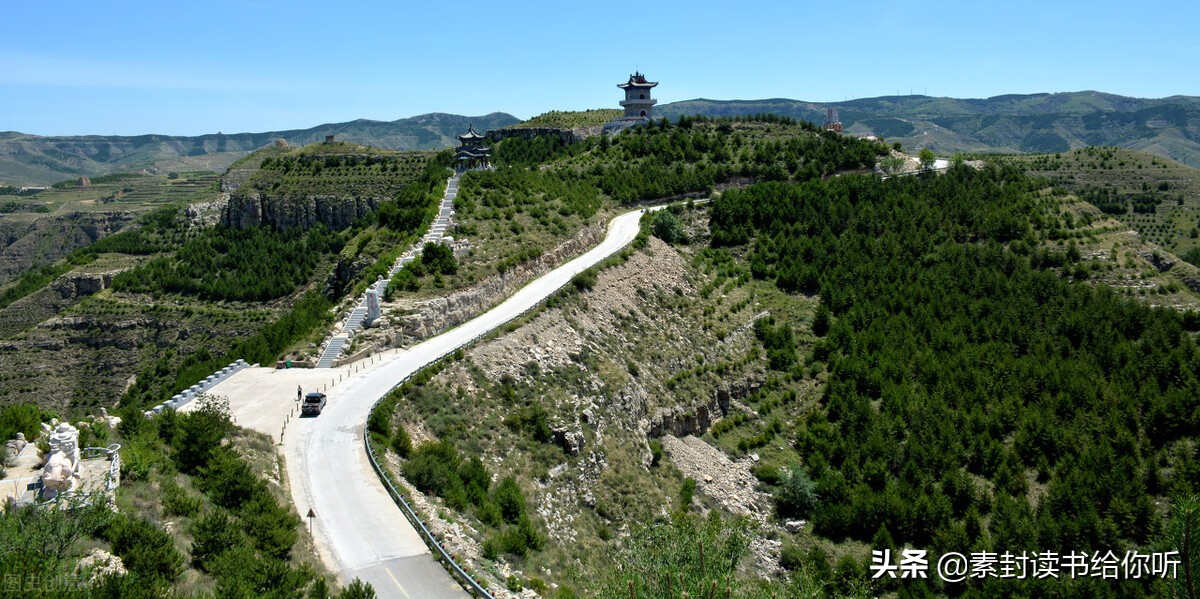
[1158,198]
[1168,127]
[31,159]
[559,119]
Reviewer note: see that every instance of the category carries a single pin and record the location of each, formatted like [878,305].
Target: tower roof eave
[637,80]
[632,83]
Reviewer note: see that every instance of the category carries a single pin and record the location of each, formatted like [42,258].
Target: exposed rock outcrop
[566,135]
[99,564]
[1161,260]
[570,440]
[75,285]
[681,421]
[253,208]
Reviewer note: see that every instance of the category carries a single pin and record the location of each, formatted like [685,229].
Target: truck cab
[313,403]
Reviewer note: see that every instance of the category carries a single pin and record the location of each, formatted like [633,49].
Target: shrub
[401,442]
[380,419]
[509,499]
[138,458]
[489,513]
[405,280]
[531,419]
[199,434]
[797,496]
[656,452]
[585,281]
[177,501]
[475,480]
[20,418]
[144,548]
[438,258]
[242,573]
[767,474]
[229,481]
[686,492]
[358,589]
[520,539]
[513,584]
[791,557]
[212,535]
[273,526]
[822,320]
[667,228]
[491,548]
[433,468]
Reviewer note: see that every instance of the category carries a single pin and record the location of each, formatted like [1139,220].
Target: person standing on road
[299,393]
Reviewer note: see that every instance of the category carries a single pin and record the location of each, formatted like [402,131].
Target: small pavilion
[471,152]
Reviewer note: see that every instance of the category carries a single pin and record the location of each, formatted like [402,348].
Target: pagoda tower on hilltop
[637,102]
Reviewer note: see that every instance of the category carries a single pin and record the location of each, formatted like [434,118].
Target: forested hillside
[1157,197]
[975,398]
[544,191]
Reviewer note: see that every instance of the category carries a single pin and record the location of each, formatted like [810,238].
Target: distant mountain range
[31,159]
[1168,127]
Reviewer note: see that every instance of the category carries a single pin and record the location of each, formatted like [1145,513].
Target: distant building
[471,152]
[832,122]
[328,139]
[638,103]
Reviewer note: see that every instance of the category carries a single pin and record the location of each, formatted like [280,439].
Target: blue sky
[134,67]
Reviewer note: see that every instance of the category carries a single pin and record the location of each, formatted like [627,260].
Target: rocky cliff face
[75,285]
[253,208]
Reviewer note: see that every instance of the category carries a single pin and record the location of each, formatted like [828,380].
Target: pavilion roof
[637,80]
[471,134]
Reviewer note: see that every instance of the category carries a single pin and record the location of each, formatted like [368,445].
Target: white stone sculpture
[58,476]
[66,440]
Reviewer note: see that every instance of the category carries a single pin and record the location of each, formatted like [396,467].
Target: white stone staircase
[357,315]
[333,350]
[355,319]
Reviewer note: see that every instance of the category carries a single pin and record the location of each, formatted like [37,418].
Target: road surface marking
[393,577]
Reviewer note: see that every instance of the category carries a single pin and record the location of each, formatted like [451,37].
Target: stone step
[355,319]
[332,351]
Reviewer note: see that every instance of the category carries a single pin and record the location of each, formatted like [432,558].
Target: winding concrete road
[358,529]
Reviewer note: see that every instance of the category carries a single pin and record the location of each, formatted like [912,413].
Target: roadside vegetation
[201,511]
[450,470]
